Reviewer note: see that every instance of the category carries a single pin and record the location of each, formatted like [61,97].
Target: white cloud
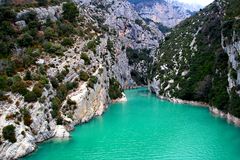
[201,2]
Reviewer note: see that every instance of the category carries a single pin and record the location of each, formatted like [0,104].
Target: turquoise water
[146,128]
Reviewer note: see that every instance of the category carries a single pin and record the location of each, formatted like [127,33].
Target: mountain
[167,12]
[61,64]
[199,60]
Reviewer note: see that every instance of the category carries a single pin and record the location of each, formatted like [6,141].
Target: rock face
[167,12]
[199,60]
[61,132]
[52,12]
[124,29]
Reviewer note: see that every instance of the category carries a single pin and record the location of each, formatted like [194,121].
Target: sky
[201,2]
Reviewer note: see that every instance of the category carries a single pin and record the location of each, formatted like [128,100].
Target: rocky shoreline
[216,112]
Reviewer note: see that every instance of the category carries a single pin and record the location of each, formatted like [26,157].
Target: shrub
[70,11]
[92,81]
[7,13]
[8,133]
[5,48]
[19,86]
[92,45]
[25,40]
[62,92]
[28,75]
[65,29]
[139,22]
[59,120]
[53,48]
[115,89]
[83,76]
[67,42]
[49,33]
[30,97]
[86,59]
[38,89]
[27,119]
[71,85]
[54,82]
[110,45]
[3,82]
[43,80]
[56,103]
[2,96]
[42,2]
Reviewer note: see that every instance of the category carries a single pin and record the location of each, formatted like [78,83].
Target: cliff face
[199,59]
[166,12]
[74,68]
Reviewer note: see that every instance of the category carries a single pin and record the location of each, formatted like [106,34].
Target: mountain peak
[167,12]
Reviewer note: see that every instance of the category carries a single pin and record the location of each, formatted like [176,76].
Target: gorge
[146,127]
[63,64]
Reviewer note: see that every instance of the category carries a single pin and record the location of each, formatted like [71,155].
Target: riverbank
[124,129]
[215,111]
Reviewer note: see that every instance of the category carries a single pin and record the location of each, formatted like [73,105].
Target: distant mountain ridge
[167,12]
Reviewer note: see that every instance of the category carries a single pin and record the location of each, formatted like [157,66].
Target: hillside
[166,13]
[61,64]
[199,60]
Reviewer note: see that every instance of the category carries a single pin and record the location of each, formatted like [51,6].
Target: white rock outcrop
[61,132]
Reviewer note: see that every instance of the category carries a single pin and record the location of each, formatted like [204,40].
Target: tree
[83,76]
[38,89]
[30,97]
[42,2]
[28,75]
[3,82]
[70,11]
[27,119]
[56,104]
[92,81]
[115,89]
[67,42]
[26,40]
[9,133]
[86,59]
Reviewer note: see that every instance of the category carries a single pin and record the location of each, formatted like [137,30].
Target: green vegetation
[54,82]
[137,55]
[56,104]
[8,133]
[110,46]
[83,76]
[92,45]
[204,62]
[92,81]
[30,97]
[19,86]
[70,11]
[27,119]
[67,42]
[38,89]
[86,59]
[115,89]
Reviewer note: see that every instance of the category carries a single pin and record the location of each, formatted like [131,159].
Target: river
[147,128]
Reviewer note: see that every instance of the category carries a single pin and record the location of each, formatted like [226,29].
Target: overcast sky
[201,2]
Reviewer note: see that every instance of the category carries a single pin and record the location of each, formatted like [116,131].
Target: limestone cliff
[199,60]
[69,69]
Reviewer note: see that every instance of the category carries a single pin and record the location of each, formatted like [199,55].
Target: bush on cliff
[83,76]
[92,81]
[9,133]
[115,89]
[70,11]
[27,119]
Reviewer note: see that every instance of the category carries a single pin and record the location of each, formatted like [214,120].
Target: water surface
[147,128]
